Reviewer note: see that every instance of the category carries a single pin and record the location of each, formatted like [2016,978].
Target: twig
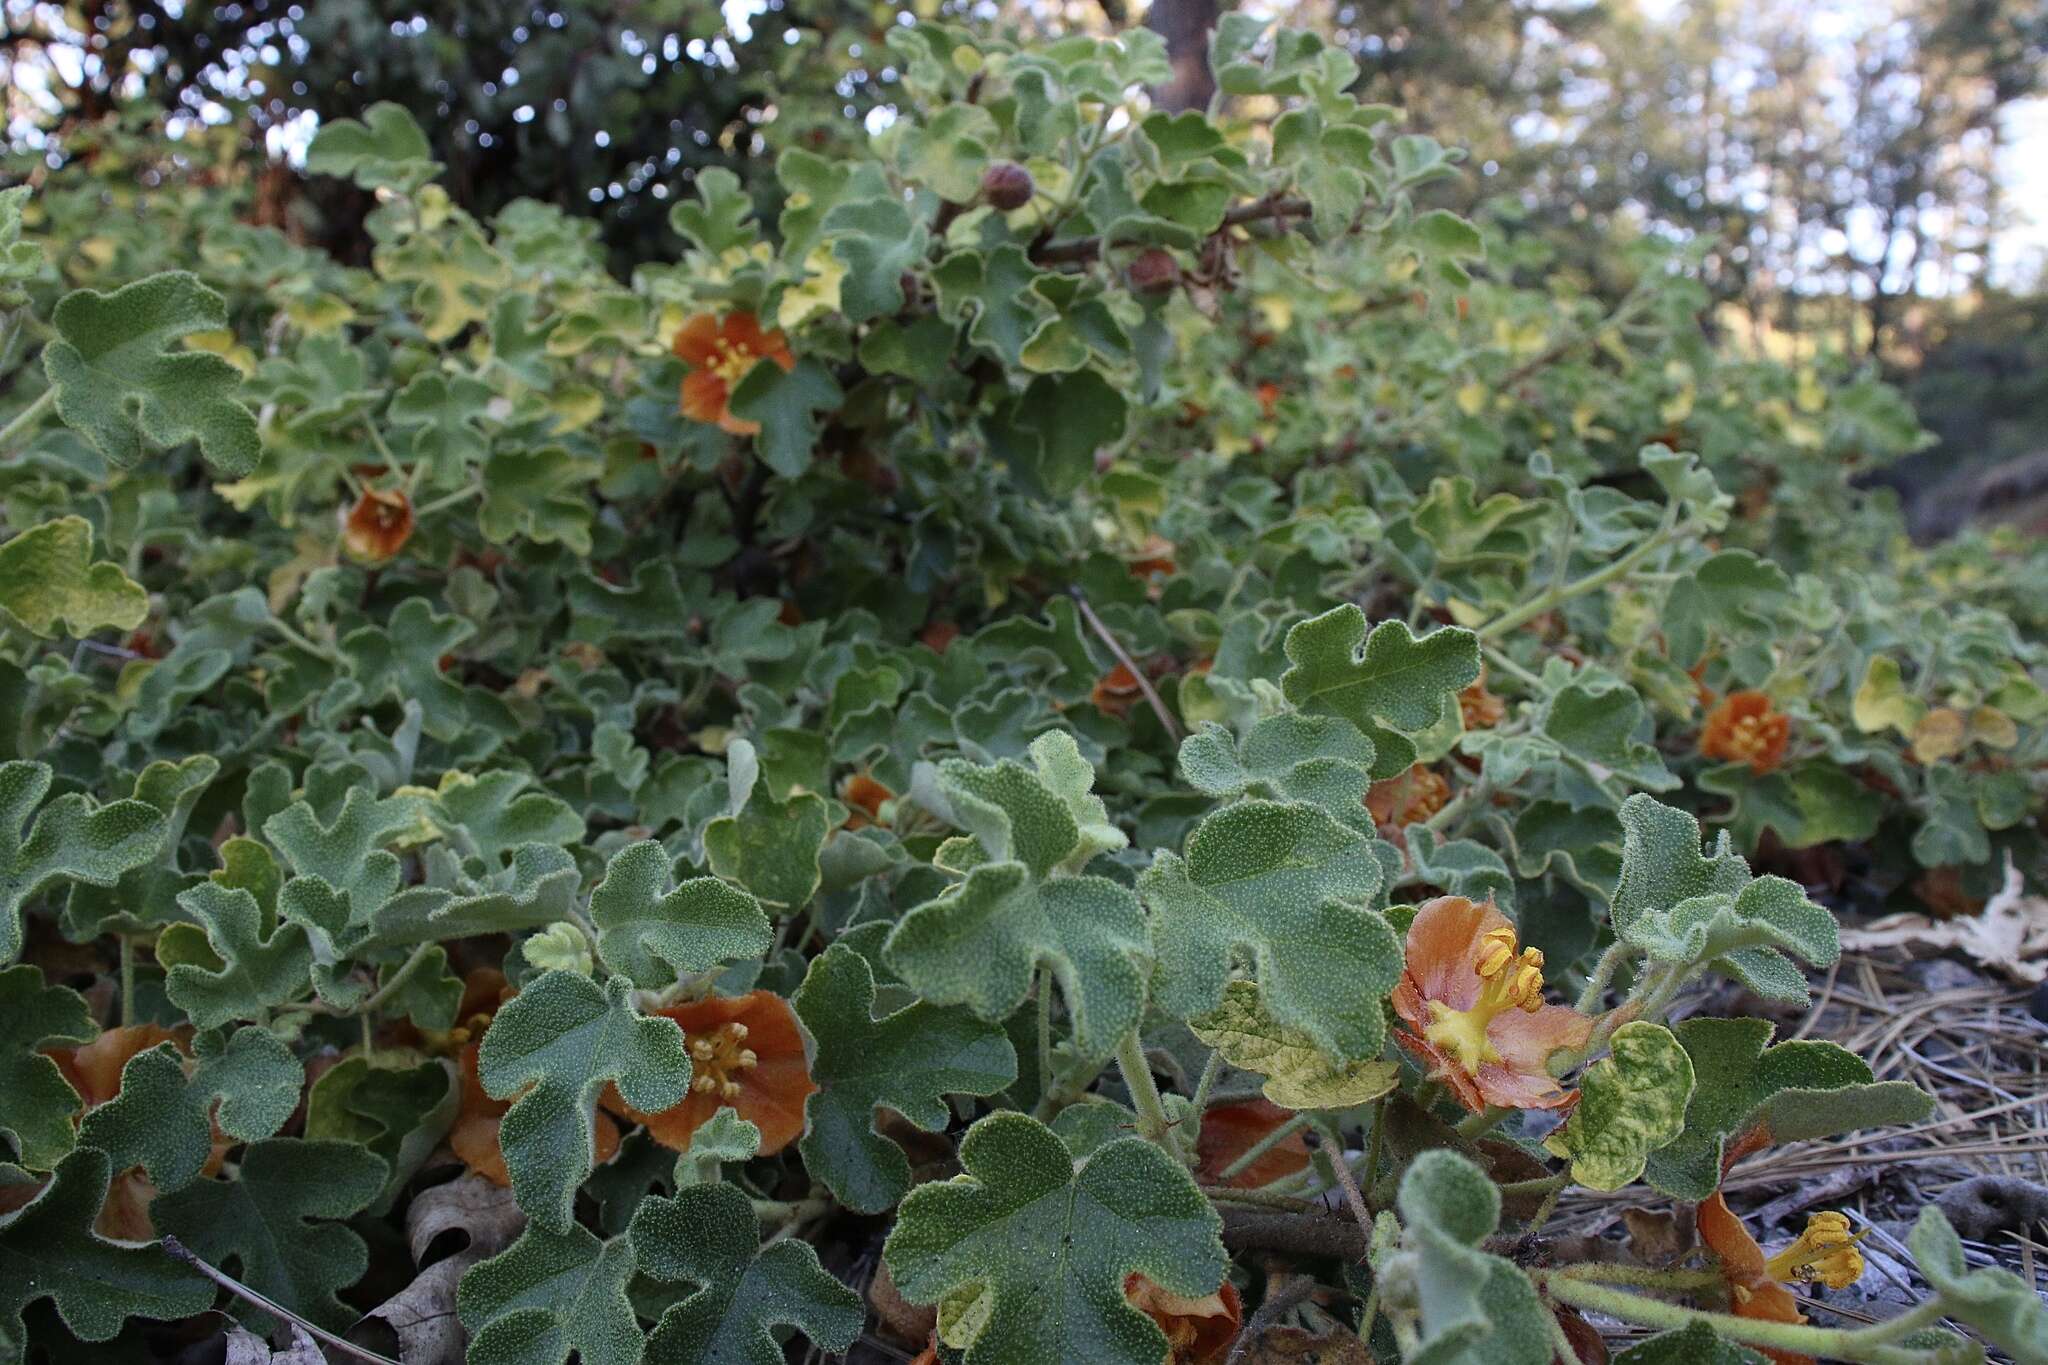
[1341,1164]
[178,1251]
[1282,1295]
[1304,1234]
[1083,249]
[1108,637]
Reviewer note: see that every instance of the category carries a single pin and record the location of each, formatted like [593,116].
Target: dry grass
[1976,1049]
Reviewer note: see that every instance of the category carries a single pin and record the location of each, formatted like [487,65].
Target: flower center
[731,363]
[1513,981]
[1747,739]
[719,1056]
[1826,1251]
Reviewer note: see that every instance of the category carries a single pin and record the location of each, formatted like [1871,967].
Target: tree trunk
[1186,25]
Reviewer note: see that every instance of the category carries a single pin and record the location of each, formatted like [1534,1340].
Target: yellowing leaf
[1939,734]
[816,294]
[1631,1102]
[1299,1075]
[1882,702]
[47,577]
[1472,399]
[1993,728]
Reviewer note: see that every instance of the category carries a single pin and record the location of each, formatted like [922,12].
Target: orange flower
[1198,1331]
[94,1071]
[1407,799]
[1480,709]
[1744,729]
[1231,1130]
[1269,398]
[749,1054]
[474,1138]
[1116,692]
[720,352]
[938,635]
[1826,1252]
[1154,556]
[866,796]
[1474,1009]
[378,526]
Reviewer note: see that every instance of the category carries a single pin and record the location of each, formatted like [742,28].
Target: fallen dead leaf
[246,1348]
[421,1317]
[1297,1346]
[2009,935]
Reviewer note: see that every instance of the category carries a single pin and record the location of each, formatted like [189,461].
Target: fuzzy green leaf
[978,943]
[1995,1301]
[262,1220]
[707,1235]
[565,1037]
[548,1294]
[49,583]
[654,934]
[1288,885]
[1386,683]
[257,973]
[1050,1241]
[1695,1344]
[787,404]
[1323,760]
[1475,1308]
[909,1061]
[119,382]
[71,840]
[384,149]
[49,1250]
[40,1102]
[771,847]
[1792,1092]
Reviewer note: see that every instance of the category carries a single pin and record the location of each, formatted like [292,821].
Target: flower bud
[1007,186]
[1154,272]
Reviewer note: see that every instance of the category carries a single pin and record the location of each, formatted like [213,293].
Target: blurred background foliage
[1847,173]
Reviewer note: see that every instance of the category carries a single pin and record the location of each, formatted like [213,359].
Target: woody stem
[1137,1074]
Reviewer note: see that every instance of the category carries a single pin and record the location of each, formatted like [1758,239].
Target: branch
[1304,1234]
[1083,249]
[178,1251]
[1108,637]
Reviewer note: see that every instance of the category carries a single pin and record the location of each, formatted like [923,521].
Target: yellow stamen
[1513,981]
[719,1058]
[731,363]
[1826,1252]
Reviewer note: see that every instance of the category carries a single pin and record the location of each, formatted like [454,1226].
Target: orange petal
[94,1068]
[1231,1130]
[1742,1260]
[1198,1331]
[704,395]
[1439,1067]
[696,341]
[1521,1079]
[1443,949]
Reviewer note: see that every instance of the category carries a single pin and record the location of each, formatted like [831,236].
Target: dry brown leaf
[422,1315]
[1297,1346]
[246,1348]
[2009,935]
[469,1204]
